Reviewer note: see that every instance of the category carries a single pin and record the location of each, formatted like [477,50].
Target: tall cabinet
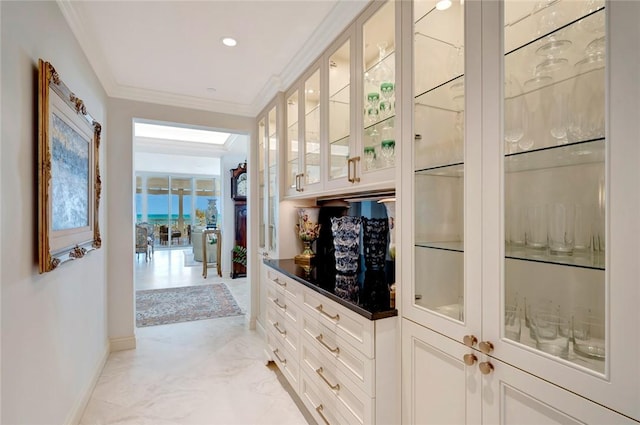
[519,213]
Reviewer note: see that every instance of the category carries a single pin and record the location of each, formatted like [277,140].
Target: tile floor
[202,372]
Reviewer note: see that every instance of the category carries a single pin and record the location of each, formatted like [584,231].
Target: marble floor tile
[203,372]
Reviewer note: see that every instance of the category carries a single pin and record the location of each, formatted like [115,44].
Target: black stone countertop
[371,302]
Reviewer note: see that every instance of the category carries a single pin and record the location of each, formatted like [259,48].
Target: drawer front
[344,357]
[323,407]
[328,377]
[286,361]
[274,293]
[284,330]
[285,307]
[291,288]
[353,328]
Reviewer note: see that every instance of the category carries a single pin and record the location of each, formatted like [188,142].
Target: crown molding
[89,45]
[343,13]
[340,16]
[183,101]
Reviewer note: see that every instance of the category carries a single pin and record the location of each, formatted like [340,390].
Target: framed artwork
[68,173]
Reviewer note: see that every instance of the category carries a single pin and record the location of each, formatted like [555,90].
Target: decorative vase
[212,214]
[390,205]
[346,241]
[347,287]
[374,241]
[308,230]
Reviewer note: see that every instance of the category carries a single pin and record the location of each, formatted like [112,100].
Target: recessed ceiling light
[443,4]
[229,41]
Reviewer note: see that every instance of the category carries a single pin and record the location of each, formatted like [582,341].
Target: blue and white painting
[69,177]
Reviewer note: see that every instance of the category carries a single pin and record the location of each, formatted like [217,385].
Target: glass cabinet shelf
[448,170]
[528,22]
[388,120]
[341,95]
[456,246]
[580,153]
[448,96]
[586,259]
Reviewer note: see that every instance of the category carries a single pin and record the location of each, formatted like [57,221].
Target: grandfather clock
[239,196]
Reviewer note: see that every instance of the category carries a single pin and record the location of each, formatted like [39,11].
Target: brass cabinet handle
[356,179]
[319,409]
[485,368]
[277,326]
[299,187]
[486,347]
[349,178]
[321,310]
[276,280]
[469,359]
[333,350]
[469,340]
[333,387]
[276,302]
[275,353]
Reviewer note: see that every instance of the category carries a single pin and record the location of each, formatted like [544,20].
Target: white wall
[54,326]
[120,210]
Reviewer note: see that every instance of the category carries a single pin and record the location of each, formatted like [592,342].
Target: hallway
[202,372]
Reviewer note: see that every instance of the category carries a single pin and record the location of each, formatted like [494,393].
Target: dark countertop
[372,298]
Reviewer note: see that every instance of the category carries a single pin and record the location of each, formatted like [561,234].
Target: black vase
[374,241]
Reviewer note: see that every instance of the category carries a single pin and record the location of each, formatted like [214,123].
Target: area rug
[190,262]
[184,304]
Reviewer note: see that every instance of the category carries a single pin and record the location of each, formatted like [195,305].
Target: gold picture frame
[69,182]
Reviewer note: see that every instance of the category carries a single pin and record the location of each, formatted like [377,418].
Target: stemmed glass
[388,151]
[387,89]
[373,99]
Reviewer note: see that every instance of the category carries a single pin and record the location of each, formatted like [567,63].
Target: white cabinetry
[517,211]
[342,365]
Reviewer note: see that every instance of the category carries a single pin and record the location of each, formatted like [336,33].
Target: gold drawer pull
[275,353]
[321,310]
[333,387]
[319,409]
[486,347]
[333,350]
[282,306]
[469,359]
[276,280]
[276,325]
[485,367]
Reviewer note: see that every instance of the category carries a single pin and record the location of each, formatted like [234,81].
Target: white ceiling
[169,52]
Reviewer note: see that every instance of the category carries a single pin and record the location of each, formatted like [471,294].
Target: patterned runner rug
[184,304]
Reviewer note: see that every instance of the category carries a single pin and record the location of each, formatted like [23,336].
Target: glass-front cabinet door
[293,174]
[339,65]
[378,141]
[443,193]
[263,143]
[272,179]
[312,102]
[557,316]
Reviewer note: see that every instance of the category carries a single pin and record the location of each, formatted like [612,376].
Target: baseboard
[75,414]
[121,344]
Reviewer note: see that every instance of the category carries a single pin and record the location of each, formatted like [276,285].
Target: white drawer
[325,374]
[352,327]
[342,356]
[286,361]
[290,310]
[273,292]
[291,288]
[285,330]
[323,407]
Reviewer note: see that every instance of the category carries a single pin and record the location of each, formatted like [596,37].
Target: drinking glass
[559,117]
[552,332]
[369,157]
[516,224]
[561,217]
[514,111]
[373,112]
[387,89]
[512,323]
[587,101]
[588,333]
[388,151]
[536,225]
[583,227]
